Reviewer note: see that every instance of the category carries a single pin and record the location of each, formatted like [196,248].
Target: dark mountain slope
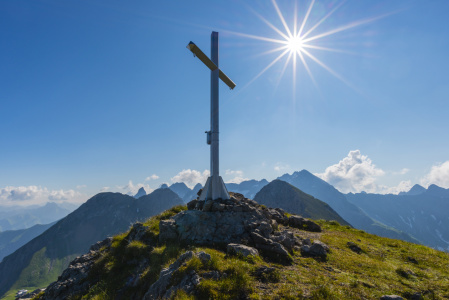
[280,194]
[180,188]
[41,260]
[11,240]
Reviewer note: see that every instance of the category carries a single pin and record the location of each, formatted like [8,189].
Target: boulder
[270,246]
[266,274]
[158,289]
[304,224]
[167,231]
[354,247]
[286,238]
[391,297]
[317,249]
[243,250]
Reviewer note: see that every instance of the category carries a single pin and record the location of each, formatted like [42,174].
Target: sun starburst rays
[298,40]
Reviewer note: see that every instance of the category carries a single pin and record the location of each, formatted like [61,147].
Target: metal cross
[214,188]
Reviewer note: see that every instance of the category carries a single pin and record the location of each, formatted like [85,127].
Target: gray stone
[416,296]
[192,204]
[208,205]
[307,242]
[317,249]
[204,257]
[137,232]
[265,229]
[304,224]
[188,284]
[160,287]
[269,245]
[286,238]
[167,231]
[243,250]
[212,275]
[98,245]
[264,273]
[391,297]
[354,247]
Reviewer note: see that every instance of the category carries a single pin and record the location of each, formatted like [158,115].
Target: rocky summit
[238,220]
[239,249]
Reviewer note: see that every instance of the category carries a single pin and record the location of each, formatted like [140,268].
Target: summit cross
[214,188]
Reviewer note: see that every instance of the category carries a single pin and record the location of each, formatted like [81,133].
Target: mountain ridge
[102,215]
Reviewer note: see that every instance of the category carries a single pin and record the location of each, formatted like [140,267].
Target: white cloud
[82,186]
[29,195]
[281,167]
[104,189]
[439,175]
[401,172]
[403,186]
[191,177]
[131,188]
[354,173]
[152,177]
[237,174]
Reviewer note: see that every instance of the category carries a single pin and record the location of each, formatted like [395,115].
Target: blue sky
[99,94]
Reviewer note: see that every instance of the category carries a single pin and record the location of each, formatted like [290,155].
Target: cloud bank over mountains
[439,175]
[191,177]
[357,173]
[354,173]
[31,195]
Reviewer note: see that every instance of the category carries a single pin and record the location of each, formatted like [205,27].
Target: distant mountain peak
[197,187]
[438,191]
[415,190]
[283,195]
[164,186]
[141,192]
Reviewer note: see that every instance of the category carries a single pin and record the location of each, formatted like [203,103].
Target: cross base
[214,189]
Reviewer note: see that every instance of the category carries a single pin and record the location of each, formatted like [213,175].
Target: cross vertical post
[214,121]
[214,188]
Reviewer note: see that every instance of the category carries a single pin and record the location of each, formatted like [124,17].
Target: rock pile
[239,221]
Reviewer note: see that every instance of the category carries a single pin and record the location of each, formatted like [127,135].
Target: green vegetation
[33,276]
[384,266]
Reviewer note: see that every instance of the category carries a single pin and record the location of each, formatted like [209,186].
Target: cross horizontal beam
[209,63]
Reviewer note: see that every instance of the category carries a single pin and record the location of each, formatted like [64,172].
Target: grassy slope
[385,266]
[34,276]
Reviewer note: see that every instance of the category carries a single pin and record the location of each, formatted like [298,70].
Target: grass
[385,266]
[30,279]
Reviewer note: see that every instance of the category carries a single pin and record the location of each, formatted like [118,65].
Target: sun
[297,41]
[295,44]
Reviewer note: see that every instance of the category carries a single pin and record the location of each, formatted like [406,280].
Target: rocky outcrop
[236,221]
[25,295]
[238,249]
[164,288]
[72,280]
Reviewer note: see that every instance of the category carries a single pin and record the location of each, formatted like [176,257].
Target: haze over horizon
[102,95]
